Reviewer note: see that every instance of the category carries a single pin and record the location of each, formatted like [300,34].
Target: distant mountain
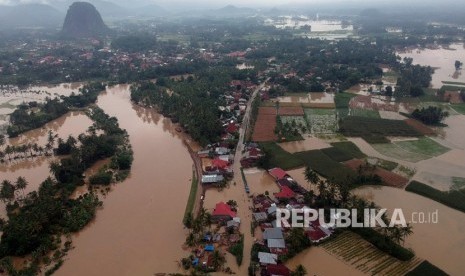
[232,11]
[149,10]
[30,15]
[83,20]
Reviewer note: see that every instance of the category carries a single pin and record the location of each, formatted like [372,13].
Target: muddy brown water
[442,244]
[139,231]
[442,60]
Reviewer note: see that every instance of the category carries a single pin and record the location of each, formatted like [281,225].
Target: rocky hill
[83,20]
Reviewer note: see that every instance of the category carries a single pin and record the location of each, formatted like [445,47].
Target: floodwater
[318,261]
[139,231]
[310,143]
[442,244]
[313,97]
[288,22]
[442,59]
[260,181]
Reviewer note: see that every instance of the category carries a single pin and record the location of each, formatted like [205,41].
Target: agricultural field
[279,157]
[354,250]
[299,120]
[349,148]
[389,178]
[318,161]
[412,151]
[459,108]
[426,269]
[265,125]
[453,198]
[290,111]
[365,113]
[321,120]
[375,130]
[420,127]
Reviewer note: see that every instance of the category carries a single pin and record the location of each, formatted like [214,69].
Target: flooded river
[442,60]
[441,243]
[139,231]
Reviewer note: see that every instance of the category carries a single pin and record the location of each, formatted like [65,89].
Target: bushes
[432,115]
[385,244]
[238,250]
[101,178]
[454,198]
[349,148]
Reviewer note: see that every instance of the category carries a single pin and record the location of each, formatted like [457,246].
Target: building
[212,179]
[265,258]
[278,173]
[223,212]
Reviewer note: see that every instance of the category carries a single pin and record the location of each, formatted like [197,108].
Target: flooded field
[310,143]
[441,243]
[314,97]
[260,181]
[318,261]
[288,22]
[139,231]
[442,59]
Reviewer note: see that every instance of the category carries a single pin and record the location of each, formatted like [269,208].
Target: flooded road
[139,231]
[441,243]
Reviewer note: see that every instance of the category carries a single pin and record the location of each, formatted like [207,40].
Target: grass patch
[454,198]
[191,199]
[375,130]
[238,250]
[277,157]
[321,120]
[459,108]
[365,113]
[453,82]
[412,151]
[387,165]
[424,146]
[337,154]
[426,269]
[451,87]
[349,148]
[325,166]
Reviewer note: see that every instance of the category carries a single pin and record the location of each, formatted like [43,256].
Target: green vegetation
[364,113]
[413,79]
[325,166]
[191,199]
[238,250]
[296,242]
[460,108]
[458,183]
[37,221]
[337,154]
[321,120]
[454,198]
[387,165]
[384,243]
[101,178]
[349,148]
[290,130]
[277,157]
[431,115]
[34,115]
[375,130]
[342,103]
[426,269]
[424,145]
[453,82]
[134,43]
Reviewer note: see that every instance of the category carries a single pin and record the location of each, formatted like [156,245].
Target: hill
[83,20]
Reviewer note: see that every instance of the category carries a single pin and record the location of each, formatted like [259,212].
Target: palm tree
[2,140]
[7,191]
[191,240]
[406,231]
[21,184]
[311,176]
[299,271]
[217,259]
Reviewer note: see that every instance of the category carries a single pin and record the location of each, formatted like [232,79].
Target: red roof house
[221,164]
[223,211]
[276,269]
[232,128]
[277,173]
[286,192]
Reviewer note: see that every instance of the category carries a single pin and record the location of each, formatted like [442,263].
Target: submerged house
[223,212]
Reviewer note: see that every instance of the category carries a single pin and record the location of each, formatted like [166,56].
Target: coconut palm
[7,191]
[21,184]
[299,271]
[217,259]
[406,231]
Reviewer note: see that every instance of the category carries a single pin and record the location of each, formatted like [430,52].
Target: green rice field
[412,151]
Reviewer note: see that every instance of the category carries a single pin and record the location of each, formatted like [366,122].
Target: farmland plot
[321,120]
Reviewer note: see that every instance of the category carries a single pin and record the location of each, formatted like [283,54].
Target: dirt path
[197,166]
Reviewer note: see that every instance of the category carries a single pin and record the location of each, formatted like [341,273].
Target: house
[285,193]
[234,223]
[221,150]
[259,217]
[272,209]
[275,270]
[278,173]
[265,258]
[273,233]
[276,243]
[223,212]
[212,179]
[220,164]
